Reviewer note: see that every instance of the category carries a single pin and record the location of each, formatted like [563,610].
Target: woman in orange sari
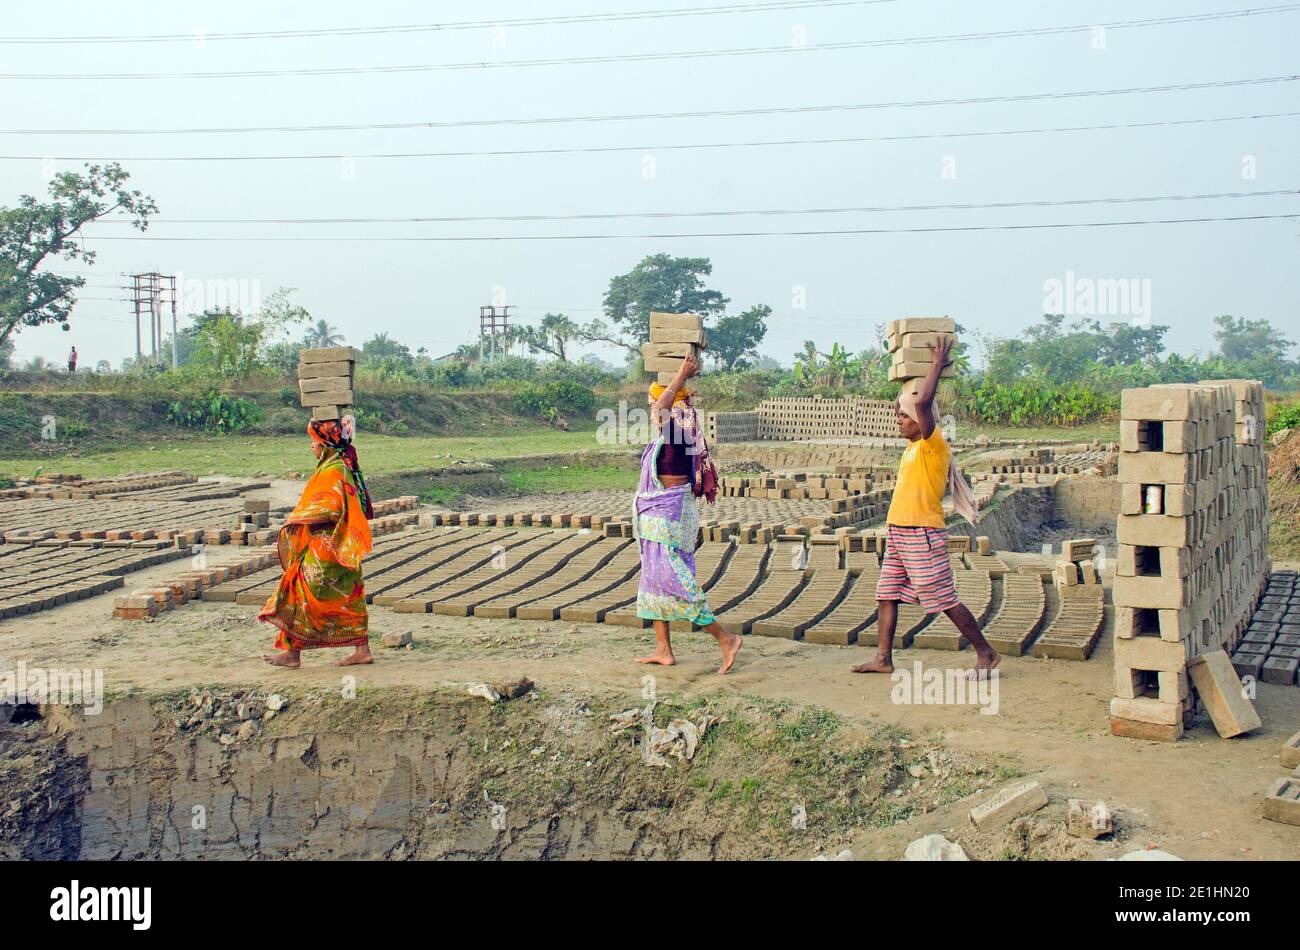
[321,601]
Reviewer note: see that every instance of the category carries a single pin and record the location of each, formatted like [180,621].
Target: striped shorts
[916,569]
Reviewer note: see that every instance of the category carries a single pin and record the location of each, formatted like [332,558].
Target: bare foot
[880,664]
[985,664]
[289,659]
[661,657]
[730,647]
[360,657]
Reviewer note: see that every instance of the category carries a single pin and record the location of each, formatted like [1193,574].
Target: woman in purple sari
[675,469]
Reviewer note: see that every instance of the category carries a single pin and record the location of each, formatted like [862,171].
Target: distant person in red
[72,360]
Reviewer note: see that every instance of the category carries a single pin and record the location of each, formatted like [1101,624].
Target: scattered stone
[247,730]
[1088,819]
[845,855]
[485,691]
[275,702]
[1009,803]
[513,689]
[395,640]
[934,848]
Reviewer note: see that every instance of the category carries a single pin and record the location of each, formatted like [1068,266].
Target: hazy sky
[824,287]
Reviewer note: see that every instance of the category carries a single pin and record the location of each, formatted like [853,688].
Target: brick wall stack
[732,426]
[1192,560]
[325,380]
[791,418]
[673,337]
[909,341]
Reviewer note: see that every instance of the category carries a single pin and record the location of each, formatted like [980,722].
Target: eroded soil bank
[391,773]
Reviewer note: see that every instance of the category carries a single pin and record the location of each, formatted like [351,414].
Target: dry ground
[1198,798]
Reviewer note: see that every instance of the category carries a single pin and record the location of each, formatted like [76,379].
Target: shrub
[548,400]
[215,412]
[1283,415]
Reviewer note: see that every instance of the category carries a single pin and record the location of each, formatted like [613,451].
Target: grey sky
[428,293]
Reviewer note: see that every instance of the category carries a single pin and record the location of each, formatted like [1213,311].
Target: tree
[1241,340]
[321,335]
[659,283]
[6,353]
[551,336]
[734,340]
[380,348]
[33,233]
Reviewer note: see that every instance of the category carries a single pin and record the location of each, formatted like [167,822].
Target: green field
[278,455]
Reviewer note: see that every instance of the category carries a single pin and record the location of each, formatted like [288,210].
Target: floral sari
[667,522]
[321,600]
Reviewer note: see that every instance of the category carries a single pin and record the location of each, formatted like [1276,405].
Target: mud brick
[1131,684]
[1132,729]
[254,505]
[329,354]
[1260,635]
[1288,652]
[395,640]
[1282,803]
[1008,804]
[337,396]
[1161,404]
[1280,670]
[312,391]
[1154,530]
[922,341]
[899,371]
[1158,468]
[338,368]
[1247,663]
[1290,754]
[1220,690]
[1287,640]
[1086,819]
[907,325]
[1151,653]
[324,413]
[1146,709]
[1165,593]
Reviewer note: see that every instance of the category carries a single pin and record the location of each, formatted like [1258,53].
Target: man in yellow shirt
[916,569]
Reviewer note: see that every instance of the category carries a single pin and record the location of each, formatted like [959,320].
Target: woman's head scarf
[338,435]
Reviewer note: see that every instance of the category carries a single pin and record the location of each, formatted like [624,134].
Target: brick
[325,370]
[1158,403]
[1146,709]
[1132,729]
[1282,802]
[1157,468]
[324,413]
[922,325]
[1220,690]
[1290,755]
[329,354]
[1087,819]
[328,397]
[1151,653]
[676,320]
[1280,670]
[1008,804]
[665,334]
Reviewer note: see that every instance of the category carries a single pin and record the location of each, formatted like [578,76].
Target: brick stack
[792,418]
[1193,537]
[325,380]
[732,426]
[909,341]
[1075,566]
[673,337]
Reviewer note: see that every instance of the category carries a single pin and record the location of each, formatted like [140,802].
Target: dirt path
[1198,798]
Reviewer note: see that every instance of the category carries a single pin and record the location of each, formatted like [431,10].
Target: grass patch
[570,478]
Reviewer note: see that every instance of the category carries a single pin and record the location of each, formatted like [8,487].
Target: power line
[626,215]
[596,149]
[449,26]
[661,56]
[716,234]
[702,114]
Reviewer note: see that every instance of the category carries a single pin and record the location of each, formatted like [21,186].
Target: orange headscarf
[657,390]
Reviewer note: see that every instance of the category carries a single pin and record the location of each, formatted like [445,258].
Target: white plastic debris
[934,848]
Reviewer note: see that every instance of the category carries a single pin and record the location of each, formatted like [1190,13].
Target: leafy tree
[33,233]
[734,340]
[381,347]
[321,335]
[659,283]
[1242,340]
[227,344]
[551,336]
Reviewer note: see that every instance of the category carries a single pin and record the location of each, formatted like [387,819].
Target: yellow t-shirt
[922,480]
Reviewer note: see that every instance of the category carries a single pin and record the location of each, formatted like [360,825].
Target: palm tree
[322,335]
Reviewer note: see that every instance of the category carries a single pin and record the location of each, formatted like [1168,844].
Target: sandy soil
[1198,798]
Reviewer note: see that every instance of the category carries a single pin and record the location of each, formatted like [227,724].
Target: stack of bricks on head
[1193,554]
[325,380]
[910,340]
[673,337]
